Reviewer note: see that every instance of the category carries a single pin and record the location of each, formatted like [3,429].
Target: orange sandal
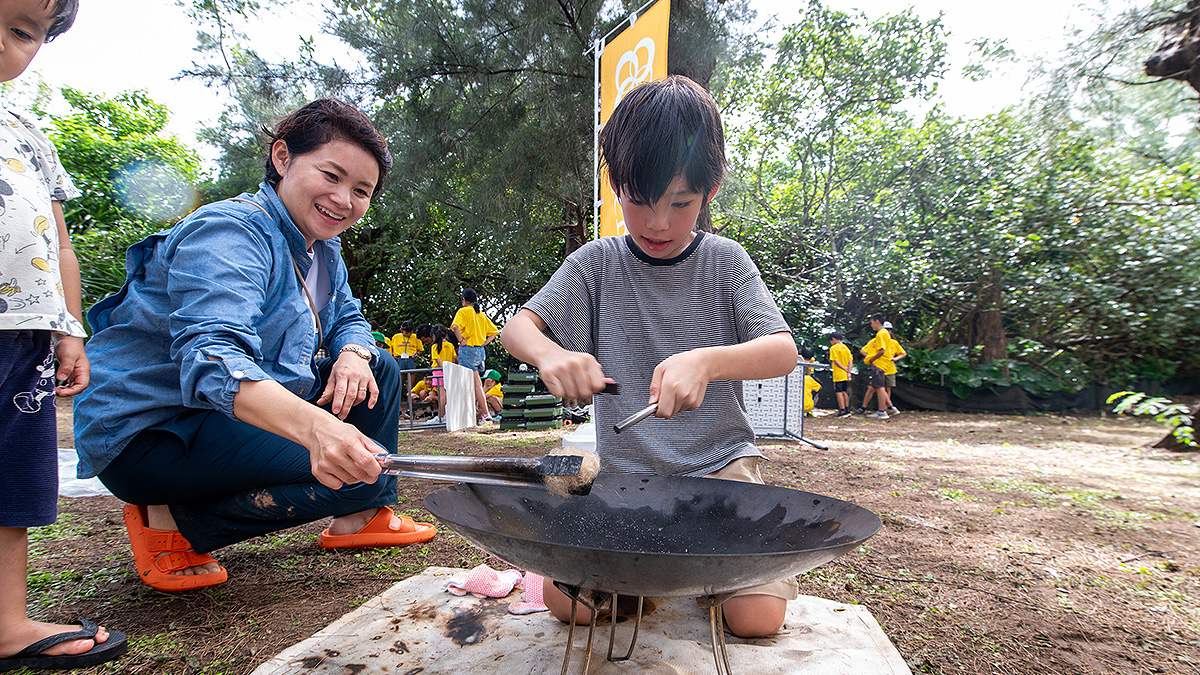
[155,569]
[377,533]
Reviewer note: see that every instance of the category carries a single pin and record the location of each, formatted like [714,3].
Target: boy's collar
[663,262]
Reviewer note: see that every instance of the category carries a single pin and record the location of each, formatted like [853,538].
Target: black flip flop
[32,657]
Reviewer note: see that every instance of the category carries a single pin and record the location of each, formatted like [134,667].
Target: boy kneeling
[676,316]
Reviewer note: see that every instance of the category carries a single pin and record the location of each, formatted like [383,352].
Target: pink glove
[533,596]
[485,582]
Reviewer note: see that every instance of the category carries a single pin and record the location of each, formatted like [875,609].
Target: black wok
[657,536]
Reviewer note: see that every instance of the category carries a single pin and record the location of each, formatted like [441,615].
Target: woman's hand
[679,382]
[340,454]
[350,382]
[74,370]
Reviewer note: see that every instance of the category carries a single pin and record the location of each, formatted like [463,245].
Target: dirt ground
[1036,544]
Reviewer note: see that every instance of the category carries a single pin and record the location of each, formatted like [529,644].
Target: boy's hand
[571,374]
[74,370]
[679,383]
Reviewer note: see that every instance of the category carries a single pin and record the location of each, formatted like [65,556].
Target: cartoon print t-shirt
[31,291]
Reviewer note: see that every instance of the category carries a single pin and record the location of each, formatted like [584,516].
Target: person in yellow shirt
[493,395]
[474,332]
[441,350]
[895,353]
[405,345]
[423,392]
[841,360]
[811,386]
[878,354]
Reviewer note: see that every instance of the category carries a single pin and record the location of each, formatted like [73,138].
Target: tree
[118,154]
[135,179]
[488,111]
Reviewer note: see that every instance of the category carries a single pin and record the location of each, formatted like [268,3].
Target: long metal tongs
[518,471]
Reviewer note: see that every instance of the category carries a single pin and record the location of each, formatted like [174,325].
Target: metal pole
[598,48]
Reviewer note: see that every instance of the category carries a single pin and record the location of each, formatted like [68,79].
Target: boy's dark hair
[880,317]
[424,330]
[320,122]
[406,325]
[807,353]
[660,130]
[837,335]
[64,17]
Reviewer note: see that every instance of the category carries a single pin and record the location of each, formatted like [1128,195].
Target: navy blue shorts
[840,386]
[28,440]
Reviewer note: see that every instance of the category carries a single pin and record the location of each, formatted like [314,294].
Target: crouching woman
[236,387]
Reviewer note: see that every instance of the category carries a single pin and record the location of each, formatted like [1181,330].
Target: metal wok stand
[598,601]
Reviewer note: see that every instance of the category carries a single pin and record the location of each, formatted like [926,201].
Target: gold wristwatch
[358,350]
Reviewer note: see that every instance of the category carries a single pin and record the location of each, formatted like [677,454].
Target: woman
[236,389]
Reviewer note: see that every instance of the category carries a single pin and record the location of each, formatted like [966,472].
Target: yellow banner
[637,55]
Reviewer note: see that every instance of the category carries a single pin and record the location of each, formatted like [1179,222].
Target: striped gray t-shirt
[631,312]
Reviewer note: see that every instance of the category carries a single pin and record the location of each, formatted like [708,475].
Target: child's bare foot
[13,640]
[160,518]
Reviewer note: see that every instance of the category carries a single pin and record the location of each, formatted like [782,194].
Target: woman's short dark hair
[660,130]
[64,18]
[320,122]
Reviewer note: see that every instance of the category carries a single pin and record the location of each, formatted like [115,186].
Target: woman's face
[327,190]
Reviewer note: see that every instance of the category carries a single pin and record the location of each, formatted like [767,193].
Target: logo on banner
[632,70]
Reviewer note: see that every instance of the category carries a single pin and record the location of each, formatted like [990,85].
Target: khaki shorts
[889,380]
[745,469]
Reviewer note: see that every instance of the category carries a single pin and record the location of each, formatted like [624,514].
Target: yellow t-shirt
[420,387]
[474,326]
[894,350]
[495,391]
[398,345]
[881,342]
[810,385]
[448,353]
[840,354]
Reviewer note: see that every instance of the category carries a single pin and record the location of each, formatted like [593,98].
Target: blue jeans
[236,481]
[472,357]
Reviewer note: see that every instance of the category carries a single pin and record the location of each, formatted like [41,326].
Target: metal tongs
[635,418]
[515,471]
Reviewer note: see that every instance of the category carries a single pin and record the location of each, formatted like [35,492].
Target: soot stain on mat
[470,626]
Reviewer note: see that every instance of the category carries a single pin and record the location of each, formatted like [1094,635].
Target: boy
[895,353]
[878,355]
[404,346]
[491,382]
[636,308]
[39,323]
[841,359]
[811,386]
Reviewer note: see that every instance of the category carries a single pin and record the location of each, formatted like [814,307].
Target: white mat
[417,627]
[69,485]
[460,397]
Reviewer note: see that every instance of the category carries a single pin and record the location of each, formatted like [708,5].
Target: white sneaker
[877,415]
[435,420]
[893,411]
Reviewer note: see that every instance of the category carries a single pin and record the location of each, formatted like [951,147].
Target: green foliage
[1175,416]
[135,180]
[118,154]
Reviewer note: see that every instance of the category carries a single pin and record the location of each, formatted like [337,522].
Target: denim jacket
[207,304]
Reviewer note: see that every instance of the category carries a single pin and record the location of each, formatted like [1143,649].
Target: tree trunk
[1169,442]
[986,326]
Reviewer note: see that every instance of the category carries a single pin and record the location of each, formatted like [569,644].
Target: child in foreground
[39,324]
[636,309]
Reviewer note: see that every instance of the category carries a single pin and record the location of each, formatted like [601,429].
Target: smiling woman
[214,411]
